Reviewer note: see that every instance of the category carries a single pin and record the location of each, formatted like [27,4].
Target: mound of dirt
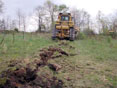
[28,77]
[54,67]
[25,74]
[47,54]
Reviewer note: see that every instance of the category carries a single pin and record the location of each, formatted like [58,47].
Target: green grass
[22,48]
[100,50]
[94,64]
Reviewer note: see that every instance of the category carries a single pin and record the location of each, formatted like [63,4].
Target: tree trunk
[52,22]
[3,39]
[13,37]
[3,36]
[24,32]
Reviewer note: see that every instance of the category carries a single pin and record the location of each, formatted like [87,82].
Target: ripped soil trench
[27,77]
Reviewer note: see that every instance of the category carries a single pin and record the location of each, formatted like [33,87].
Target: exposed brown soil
[27,77]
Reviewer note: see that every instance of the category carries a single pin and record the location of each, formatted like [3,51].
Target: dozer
[65,27]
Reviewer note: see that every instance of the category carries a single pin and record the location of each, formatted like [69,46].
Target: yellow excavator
[112,33]
[65,27]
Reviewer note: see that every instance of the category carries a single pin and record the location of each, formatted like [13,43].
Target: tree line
[45,16]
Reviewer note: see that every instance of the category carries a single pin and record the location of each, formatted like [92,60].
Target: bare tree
[81,18]
[103,23]
[114,22]
[19,15]
[40,13]
[13,26]
[24,24]
[1,10]
[88,22]
[3,27]
[75,14]
[8,22]
[99,21]
[1,6]
[115,25]
[52,9]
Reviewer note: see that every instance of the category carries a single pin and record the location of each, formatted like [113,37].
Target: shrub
[105,31]
[113,34]
[81,36]
[109,39]
[16,30]
[89,32]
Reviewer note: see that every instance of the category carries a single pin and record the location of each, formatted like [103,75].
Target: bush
[109,39]
[113,34]
[16,30]
[89,32]
[105,31]
[81,36]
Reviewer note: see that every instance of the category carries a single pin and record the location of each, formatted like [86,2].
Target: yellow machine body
[64,24]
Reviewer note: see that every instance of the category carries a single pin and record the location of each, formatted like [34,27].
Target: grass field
[93,65]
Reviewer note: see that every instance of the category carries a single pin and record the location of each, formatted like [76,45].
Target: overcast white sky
[92,6]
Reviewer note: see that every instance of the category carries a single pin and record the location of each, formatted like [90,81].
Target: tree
[1,10]
[40,13]
[7,23]
[103,23]
[81,18]
[3,27]
[62,8]
[1,6]
[19,15]
[24,24]
[114,22]
[13,26]
[115,25]
[51,9]
[99,21]
[75,14]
